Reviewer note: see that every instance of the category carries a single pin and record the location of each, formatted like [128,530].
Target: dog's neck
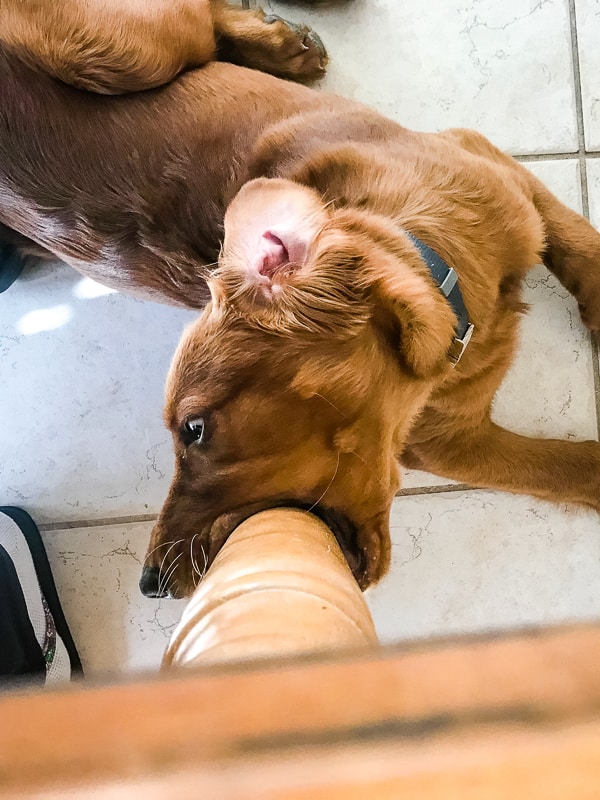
[447,281]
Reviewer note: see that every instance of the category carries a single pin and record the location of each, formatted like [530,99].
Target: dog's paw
[298,52]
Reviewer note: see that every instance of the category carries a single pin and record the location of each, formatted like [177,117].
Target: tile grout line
[596,371]
[572,156]
[585,198]
[96,523]
[442,489]
[529,157]
[579,108]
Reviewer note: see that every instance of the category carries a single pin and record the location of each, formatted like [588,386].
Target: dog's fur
[322,357]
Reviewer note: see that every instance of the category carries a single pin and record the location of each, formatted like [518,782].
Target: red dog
[331,346]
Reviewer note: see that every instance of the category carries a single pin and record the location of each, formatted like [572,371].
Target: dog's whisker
[158,546]
[328,487]
[205,561]
[194,570]
[366,463]
[162,585]
[173,544]
[335,408]
[176,542]
[192,552]
[195,566]
[198,570]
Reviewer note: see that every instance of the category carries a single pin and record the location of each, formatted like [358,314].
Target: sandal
[35,641]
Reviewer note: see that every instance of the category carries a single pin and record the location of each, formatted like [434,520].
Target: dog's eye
[194,431]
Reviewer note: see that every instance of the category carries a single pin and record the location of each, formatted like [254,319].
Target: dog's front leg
[489,456]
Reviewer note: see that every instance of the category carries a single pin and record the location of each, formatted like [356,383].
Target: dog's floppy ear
[426,321]
[412,311]
[356,179]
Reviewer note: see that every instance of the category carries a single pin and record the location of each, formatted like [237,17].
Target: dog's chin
[345,531]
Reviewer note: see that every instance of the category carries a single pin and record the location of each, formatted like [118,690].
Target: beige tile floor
[82,445]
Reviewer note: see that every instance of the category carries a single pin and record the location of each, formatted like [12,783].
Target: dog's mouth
[344,530]
[342,527]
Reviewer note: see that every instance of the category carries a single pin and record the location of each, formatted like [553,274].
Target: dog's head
[299,382]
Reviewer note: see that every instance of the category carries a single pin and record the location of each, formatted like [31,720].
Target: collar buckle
[447,281]
[459,345]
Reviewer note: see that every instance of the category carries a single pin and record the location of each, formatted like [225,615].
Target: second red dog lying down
[329,348]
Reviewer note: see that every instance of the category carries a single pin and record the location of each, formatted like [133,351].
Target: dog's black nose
[150,583]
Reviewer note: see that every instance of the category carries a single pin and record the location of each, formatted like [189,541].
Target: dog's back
[125,182]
